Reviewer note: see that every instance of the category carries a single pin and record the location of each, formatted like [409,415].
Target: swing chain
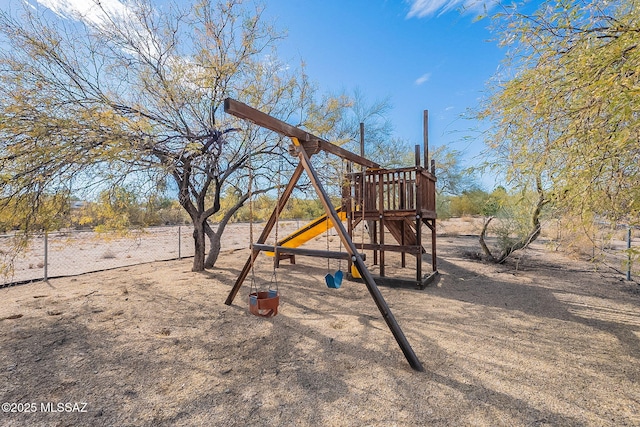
[250,194]
[276,255]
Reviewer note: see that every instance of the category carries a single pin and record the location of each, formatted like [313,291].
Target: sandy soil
[551,342]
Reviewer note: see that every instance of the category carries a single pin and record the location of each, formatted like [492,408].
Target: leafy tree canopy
[566,107]
[86,101]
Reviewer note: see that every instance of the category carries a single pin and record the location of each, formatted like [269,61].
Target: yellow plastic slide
[313,229]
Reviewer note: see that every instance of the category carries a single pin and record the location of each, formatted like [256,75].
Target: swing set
[399,201]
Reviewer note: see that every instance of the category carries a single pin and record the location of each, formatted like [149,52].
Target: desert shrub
[443,206]
[478,202]
[517,224]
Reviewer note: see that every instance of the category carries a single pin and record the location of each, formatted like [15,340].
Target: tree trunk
[215,237]
[483,244]
[214,250]
[199,242]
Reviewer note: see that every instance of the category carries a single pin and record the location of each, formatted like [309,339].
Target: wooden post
[426,138]
[358,261]
[374,231]
[419,256]
[434,260]
[361,139]
[629,254]
[46,256]
[381,219]
[418,221]
[403,258]
[417,155]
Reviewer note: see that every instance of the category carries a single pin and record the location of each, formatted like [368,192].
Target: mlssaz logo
[63,407]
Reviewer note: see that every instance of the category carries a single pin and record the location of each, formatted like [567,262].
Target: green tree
[86,101]
[116,209]
[453,180]
[303,209]
[470,202]
[565,109]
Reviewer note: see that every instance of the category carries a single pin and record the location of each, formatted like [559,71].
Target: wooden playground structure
[399,201]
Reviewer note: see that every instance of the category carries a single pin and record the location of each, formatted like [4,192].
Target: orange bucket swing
[264,303]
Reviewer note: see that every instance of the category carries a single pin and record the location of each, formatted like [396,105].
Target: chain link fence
[76,252]
[618,249]
[614,246]
[70,253]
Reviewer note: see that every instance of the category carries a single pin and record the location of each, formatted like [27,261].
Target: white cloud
[449,108]
[104,16]
[424,8]
[90,11]
[423,78]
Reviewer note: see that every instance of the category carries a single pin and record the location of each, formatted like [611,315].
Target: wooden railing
[395,190]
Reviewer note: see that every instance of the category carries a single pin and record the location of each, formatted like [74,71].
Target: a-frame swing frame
[304,145]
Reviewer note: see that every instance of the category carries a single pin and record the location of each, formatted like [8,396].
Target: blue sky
[439,61]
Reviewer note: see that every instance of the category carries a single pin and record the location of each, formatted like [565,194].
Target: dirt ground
[546,340]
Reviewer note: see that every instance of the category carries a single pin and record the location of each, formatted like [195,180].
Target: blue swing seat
[334,281]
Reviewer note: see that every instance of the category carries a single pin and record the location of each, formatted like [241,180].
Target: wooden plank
[402,282]
[434,259]
[284,250]
[419,243]
[414,250]
[309,141]
[428,214]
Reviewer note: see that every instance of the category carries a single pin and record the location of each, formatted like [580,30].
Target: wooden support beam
[393,325]
[380,196]
[419,243]
[283,250]
[426,138]
[317,145]
[434,259]
[408,249]
[311,143]
[401,282]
